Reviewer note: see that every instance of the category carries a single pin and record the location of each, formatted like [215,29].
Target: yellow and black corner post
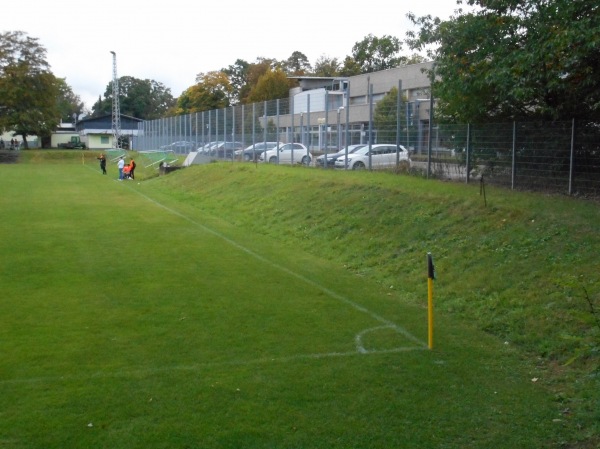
[430,278]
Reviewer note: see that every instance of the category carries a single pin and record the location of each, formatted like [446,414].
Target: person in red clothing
[132,168]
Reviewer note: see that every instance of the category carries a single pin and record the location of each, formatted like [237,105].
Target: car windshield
[355,149]
[362,150]
[351,149]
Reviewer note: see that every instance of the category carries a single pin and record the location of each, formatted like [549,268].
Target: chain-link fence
[562,157]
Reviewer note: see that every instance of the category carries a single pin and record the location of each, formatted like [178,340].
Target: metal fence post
[233,139]
[265,129]
[210,125]
[326,134]
[370,140]
[292,116]
[468,153]
[308,130]
[224,134]
[572,158]
[430,134]
[514,156]
[398,109]
[196,130]
[218,121]
[254,133]
[346,130]
[203,128]
[243,133]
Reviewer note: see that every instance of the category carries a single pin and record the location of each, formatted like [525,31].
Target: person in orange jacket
[132,166]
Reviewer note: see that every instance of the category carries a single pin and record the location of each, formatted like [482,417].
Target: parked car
[381,155]
[285,153]
[205,149]
[224,150]
[333,156]
[252,152]
[181,146]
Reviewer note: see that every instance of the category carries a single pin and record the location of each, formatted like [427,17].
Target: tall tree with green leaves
[385,116]
[255,71]
[350,67]
[238,79]
[297,64]
[273,85]
[326,66]
[211,91]
[70,105]
[515,59]
[28,89]
[145,99]
[374,53]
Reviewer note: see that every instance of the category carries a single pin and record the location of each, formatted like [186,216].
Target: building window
[104,140]
[358,100]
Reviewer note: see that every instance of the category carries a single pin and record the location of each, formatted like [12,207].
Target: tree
[69,104]
[297,64]
[384,116]
[28,89]
[145,99]
[272,85]
[238,79]
[103,107]
[415,58]
[212,91]
[325,66]
[515,59]
[373,53]
[350,67]
[255,71]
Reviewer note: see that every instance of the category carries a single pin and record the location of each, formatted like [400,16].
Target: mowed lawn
[128,322]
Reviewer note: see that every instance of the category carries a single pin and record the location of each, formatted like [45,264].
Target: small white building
[63,134]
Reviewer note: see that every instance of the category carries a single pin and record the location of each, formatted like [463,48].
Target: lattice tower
[116,110]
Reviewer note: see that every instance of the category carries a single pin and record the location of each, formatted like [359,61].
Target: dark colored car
[225,150]
[253,152]
[182,146]
[331,158]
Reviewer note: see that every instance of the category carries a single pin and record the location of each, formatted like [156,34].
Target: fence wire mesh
[561,157]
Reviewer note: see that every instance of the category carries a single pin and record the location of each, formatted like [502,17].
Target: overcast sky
[172,41]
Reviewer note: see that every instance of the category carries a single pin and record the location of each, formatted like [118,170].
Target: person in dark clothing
[102,160]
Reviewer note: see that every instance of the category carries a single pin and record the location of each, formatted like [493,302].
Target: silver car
[286,154]
[379,156]
[331,158]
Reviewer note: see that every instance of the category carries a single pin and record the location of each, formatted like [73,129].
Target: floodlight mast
[116,110]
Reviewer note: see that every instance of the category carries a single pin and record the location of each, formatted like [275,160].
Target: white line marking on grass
[207,365]
[360,347]
[304,279]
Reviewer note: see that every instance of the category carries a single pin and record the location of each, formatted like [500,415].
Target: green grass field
[244,306]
